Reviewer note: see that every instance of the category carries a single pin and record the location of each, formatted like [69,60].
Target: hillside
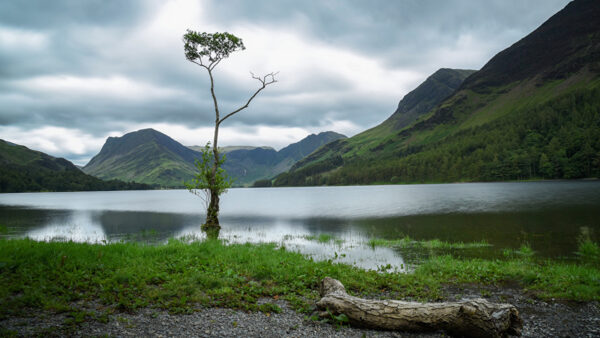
[25,170]
[530,112]
[413,106]
[426,96]
[145,156]
[148,156]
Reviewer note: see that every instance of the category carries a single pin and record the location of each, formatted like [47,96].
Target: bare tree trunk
[469,318]
[212,226]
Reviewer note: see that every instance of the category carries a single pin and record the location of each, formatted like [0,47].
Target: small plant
[507,253]
[325,238]
[589,251]
[339,320]
[310,237]
[269,308]
[384,268]
[525,250]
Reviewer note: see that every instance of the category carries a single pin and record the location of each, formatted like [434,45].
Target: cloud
[78,146]
[77,72]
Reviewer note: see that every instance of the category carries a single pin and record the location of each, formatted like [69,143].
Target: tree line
[18,178]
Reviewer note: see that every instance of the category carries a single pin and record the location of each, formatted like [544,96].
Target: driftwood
[469,318]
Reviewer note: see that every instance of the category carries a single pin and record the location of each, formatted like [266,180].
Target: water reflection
[345,246]
[77,227]
[547,215]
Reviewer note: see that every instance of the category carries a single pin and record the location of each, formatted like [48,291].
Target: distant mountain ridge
[531,112]
[249,165]
[226,149]
[151,157]
[23,170]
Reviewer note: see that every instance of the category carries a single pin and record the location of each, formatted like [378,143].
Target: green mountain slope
[145,156]
[426,96]
[22,170]
[414,105]
[531,112]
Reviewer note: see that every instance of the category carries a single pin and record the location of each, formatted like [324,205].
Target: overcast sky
[74,72]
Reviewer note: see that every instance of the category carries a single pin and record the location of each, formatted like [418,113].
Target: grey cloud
[43,14]
[90,39]
[375,27]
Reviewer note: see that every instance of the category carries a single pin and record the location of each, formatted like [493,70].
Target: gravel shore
[541,319]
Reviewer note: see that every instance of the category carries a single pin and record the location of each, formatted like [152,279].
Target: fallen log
[468,318]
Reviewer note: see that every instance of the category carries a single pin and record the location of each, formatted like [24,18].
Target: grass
[548,279]
[176,276]
[181,276]
[524,251]
[589,251]
[407,242]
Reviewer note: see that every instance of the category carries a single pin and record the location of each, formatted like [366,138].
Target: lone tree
[207,51]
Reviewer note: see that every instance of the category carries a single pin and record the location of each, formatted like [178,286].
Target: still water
[549,216]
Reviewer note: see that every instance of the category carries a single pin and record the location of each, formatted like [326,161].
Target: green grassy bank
[181,276]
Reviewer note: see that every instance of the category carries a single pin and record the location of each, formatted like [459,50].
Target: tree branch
[265,81]
[214,64]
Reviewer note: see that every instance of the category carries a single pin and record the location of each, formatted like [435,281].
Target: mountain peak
[564,44]
[144,152]
[309,144]
[427,95]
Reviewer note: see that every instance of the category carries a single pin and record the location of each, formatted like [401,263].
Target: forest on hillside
[19,178]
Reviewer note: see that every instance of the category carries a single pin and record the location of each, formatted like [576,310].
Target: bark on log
[469,318]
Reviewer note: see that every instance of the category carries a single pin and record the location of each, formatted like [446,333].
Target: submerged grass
[180,276]
[407,242]
[324,238]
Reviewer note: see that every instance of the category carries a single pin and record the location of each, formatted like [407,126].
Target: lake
[549,216]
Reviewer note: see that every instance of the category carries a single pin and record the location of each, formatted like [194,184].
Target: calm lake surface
[550,216]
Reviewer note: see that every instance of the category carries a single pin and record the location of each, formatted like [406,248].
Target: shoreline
[541,319]
[585,179]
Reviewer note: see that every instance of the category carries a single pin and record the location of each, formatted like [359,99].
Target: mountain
[531,112]
[145,156]
[226,149]
[426,96]
[22,170]
[249,165]
[151,157]
[413,105]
